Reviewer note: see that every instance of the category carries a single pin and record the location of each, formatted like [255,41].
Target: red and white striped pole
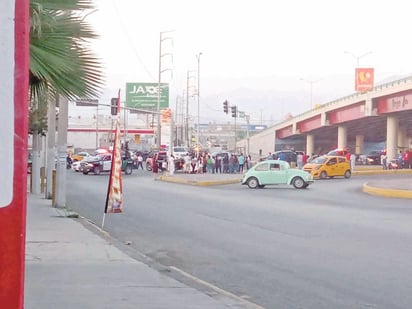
[14,83]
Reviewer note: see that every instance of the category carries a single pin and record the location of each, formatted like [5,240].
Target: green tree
[61,60]
[62,65]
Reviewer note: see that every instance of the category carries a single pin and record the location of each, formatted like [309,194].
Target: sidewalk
[69,266]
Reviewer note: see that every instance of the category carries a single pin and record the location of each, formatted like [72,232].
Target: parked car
[79,156]
[103,163]
[374,157]
[180,151]
[275,172]
[338,152]
[328,166]
[77,166]
[161,157]
[285,155]
[220,154]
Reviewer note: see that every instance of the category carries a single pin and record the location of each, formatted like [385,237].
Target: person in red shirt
[305,159]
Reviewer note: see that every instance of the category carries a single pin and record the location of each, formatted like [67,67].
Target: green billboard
[145,95]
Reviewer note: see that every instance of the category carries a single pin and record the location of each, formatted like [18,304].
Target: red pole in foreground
[14,82]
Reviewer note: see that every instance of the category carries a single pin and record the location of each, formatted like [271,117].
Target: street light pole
[198,102]
[311,82]
[357,57]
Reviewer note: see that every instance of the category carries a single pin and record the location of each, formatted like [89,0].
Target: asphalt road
[329,246]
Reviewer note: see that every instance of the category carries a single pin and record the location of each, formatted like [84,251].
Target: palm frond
[60,59]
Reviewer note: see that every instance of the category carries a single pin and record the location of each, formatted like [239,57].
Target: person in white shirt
[299,159]
[187,166]
[352,161]
[171,164]
[139,161]
[383,161]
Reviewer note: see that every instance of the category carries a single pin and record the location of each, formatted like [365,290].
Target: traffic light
[113,106]
[226,107]
[234,111]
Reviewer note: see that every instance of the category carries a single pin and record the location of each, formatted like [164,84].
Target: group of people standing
[216,164]
[202,163]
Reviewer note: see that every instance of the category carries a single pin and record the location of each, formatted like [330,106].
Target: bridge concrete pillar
[310,144]
[359,144]
[402,138]
[342,136]
[392,124]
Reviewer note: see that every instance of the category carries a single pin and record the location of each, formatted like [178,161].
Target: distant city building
[90,127]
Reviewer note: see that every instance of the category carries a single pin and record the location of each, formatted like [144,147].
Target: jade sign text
[145,95]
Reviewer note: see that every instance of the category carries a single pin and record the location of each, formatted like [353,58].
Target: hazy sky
[247,44]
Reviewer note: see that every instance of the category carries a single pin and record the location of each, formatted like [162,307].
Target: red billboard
[364,79]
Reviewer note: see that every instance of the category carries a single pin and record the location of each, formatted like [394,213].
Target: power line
[130,40]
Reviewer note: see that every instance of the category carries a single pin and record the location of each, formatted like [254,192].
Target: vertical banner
[364,79]
[166,126]
[14,88]
[114,200]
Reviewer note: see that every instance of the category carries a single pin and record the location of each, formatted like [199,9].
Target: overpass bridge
[382,115]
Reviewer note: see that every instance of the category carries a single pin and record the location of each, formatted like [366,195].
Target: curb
[366,188]
[386,192]
[382,172]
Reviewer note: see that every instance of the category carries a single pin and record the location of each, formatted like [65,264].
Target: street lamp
[198,101]
[311,82]
[357,57]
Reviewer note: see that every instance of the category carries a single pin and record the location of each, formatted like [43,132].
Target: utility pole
[159,133]
[159,126]
[247,134]
[198,104]
[235,132]
[234,114]
[51,145]
[176,124]
[187,138]
[97,125]
[60,200]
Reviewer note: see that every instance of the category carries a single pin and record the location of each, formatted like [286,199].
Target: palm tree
[60,58]
[61,61]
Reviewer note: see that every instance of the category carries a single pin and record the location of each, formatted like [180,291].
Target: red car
[159,156]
